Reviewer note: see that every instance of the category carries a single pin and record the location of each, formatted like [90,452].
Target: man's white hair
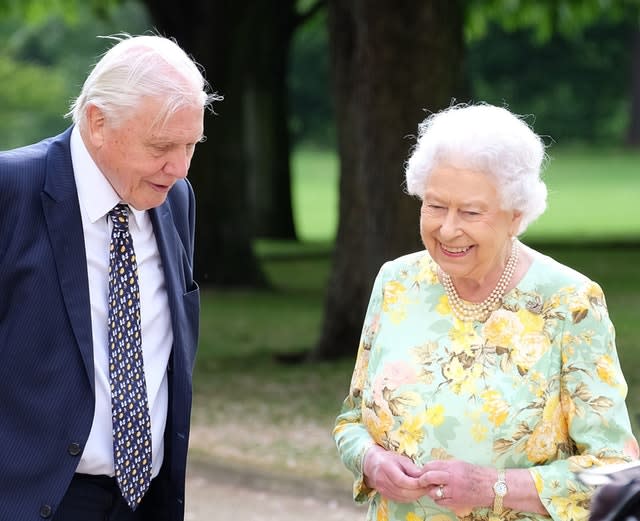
[137,67]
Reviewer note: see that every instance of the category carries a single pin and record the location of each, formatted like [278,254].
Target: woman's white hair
[137,67]
[487,139]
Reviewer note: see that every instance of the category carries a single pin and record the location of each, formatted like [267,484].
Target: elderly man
[99,309]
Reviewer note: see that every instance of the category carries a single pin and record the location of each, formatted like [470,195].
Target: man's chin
[149,202]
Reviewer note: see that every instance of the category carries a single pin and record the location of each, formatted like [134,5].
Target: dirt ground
[224,494]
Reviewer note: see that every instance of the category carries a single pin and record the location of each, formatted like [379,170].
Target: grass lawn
[251,410]
[593,196]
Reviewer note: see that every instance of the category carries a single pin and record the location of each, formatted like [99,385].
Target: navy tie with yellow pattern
[129,406]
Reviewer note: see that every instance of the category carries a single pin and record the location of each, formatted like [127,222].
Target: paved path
[221,494]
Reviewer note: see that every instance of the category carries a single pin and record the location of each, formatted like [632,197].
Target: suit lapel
[169,247]
[64,223]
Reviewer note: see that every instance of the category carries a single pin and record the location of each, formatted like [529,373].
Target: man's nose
[178,163]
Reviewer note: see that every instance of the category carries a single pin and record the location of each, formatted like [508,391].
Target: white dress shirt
[97,197]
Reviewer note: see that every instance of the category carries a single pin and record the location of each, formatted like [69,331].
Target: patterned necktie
[129,407]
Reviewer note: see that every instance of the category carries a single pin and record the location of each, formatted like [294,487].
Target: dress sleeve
[592,404]
[351,435]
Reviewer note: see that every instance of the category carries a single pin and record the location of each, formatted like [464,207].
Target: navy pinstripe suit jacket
[46,352]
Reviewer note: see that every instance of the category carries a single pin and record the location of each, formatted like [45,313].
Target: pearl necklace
[468,312]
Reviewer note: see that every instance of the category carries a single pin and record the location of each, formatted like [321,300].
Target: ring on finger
[440,492]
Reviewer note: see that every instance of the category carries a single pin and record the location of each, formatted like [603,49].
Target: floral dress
[538,385]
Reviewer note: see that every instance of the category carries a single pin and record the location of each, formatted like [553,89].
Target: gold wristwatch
[500,490]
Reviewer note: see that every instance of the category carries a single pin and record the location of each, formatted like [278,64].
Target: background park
[299,183]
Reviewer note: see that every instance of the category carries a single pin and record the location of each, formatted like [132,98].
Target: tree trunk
[217,34]
[633,135]
[391,61]
[267,114]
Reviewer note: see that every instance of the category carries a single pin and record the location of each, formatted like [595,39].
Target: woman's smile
[451,251]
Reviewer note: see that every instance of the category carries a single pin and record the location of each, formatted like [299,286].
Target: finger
[402,495]
[434,477]
[403,481]
[437,464]
[411,469]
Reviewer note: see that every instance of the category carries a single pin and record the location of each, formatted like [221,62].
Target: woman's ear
[516,219]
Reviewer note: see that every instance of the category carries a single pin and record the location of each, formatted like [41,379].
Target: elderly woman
[487,372]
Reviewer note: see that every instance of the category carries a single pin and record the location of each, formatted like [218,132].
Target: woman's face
[463,226]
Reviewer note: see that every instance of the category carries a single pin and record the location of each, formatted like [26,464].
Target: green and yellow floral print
[538,385]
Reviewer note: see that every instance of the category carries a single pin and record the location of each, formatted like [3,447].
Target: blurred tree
[311,121]
[390,60]
[633,135]
[218,35]
[266,110]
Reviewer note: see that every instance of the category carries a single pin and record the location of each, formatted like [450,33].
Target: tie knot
[120,216]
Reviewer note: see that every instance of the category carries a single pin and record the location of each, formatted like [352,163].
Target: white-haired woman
[487,372]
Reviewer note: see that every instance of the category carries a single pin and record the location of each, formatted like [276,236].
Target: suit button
[74,449]
[46,511]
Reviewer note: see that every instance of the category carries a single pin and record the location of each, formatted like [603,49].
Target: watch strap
[499,490]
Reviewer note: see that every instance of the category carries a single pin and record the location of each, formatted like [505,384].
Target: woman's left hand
[458,485]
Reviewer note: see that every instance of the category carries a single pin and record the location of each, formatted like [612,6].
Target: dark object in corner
[618,495]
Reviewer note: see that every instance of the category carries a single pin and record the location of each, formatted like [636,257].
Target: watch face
[500,488]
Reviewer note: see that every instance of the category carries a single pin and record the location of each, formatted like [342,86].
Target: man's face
[143,160]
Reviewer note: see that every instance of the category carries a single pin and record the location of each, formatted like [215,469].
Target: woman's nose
[450,225]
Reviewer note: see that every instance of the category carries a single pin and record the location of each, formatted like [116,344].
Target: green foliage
[46,50]
[578,87]
[545,17]
[27,86]
[36,11]
[311,101]
[566,61]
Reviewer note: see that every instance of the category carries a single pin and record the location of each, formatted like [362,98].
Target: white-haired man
[99,309]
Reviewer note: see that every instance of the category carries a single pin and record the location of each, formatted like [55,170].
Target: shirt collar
[95,193]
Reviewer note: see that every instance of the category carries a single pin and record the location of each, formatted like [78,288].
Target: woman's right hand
[394,476]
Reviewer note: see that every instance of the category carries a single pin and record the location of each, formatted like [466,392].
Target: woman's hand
[461,487]
[458,485]
[394,476]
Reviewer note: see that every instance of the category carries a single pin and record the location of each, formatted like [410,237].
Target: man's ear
[95,125]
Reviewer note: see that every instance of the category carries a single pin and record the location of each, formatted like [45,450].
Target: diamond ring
[440,492]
